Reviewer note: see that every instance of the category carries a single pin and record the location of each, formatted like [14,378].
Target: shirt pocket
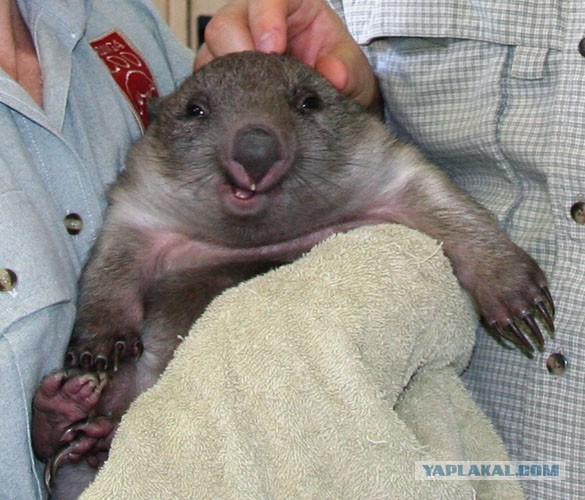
[447,71]
[532,24]
[30,257]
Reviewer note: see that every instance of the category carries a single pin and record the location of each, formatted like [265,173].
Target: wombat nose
[257,150]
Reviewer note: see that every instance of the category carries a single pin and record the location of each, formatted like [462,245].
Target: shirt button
[73,224]
[8,280]
[578,212]
[556,363]
[582,47]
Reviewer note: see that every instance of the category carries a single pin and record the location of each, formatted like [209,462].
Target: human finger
[227,31]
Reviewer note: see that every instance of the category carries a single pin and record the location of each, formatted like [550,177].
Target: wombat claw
[60,458]
[547,316]
[512,331]
[119,353]
[549,298]
[534,328]
[99,362]
[53,465]
[74,446]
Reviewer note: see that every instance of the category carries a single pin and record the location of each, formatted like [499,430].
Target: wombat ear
[153,107]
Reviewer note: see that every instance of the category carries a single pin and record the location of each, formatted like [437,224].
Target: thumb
[351,74]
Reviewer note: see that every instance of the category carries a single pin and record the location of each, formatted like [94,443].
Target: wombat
[250,163]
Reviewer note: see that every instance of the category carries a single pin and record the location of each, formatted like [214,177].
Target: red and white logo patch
[130,71]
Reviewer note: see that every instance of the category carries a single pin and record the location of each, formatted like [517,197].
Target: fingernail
[265,44]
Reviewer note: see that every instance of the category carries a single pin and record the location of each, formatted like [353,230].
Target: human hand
[308,30]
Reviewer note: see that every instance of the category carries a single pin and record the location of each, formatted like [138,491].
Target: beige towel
[327,378]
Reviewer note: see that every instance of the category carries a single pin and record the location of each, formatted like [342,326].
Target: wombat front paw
[102,352]
[509,328]
[514,300]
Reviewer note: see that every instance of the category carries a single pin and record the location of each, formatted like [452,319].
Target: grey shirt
[55,166]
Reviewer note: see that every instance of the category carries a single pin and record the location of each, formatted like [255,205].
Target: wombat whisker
[321,179]
[310,185]
[200,182]
[371,167]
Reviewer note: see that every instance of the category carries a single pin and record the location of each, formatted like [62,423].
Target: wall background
[183,16]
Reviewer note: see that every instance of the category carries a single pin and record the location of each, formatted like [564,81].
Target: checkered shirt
[494,92]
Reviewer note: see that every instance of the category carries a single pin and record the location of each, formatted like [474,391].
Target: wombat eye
[308,101]
[311,102]
[196,110]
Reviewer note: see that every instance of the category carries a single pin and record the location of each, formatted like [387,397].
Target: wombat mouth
[245,202]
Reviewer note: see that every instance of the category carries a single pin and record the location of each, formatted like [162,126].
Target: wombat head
[254,148]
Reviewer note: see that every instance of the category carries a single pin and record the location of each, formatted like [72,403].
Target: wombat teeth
[243,194]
